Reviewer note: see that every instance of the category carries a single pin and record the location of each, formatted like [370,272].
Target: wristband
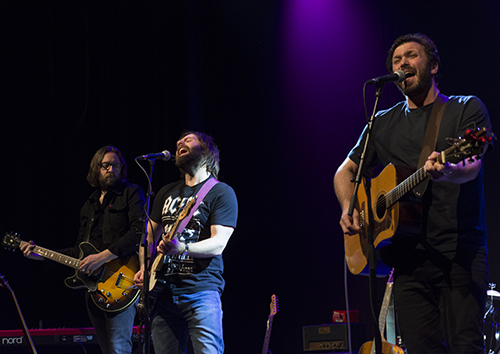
[186,251]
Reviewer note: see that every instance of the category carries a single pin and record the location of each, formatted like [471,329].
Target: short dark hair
[210,151]
[420,38]
[95,168]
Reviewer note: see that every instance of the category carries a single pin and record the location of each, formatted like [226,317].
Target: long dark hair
[95,168]
[210,151]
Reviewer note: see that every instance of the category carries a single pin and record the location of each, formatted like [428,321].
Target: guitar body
[157,279]
[111,288]
[404,216]
[116,289]
[387,348]
[385,223]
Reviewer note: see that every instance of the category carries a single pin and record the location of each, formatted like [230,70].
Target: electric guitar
[387,348]
[157,273]
[386,195]
[274,311]
[111,286]
[26,332]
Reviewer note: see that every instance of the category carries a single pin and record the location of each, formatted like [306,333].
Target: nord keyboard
[55,336]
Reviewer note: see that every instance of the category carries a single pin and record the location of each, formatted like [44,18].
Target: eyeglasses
[106,165]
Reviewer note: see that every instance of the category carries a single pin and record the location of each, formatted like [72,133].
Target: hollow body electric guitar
[111,287]
[386,195]
[274,311]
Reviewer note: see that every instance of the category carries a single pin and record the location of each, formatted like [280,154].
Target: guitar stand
[26,332]
[371,249]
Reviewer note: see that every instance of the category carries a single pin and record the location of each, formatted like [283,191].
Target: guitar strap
[199,198]
[430,138]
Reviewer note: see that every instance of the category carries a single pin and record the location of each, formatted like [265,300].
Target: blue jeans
[177,318]
[114,330]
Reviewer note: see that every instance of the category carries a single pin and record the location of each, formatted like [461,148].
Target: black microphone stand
[145,260]
[372,265]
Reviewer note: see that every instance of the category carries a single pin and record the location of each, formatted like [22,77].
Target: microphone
[164,155]
[398,76]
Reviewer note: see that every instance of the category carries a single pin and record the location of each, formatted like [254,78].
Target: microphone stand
[145,261]
[371,248]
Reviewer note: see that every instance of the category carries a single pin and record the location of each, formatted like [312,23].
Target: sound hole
[381,207]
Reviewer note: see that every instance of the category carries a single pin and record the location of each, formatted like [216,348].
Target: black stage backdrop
[278,84]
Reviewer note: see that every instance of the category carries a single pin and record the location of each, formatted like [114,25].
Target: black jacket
[117,225]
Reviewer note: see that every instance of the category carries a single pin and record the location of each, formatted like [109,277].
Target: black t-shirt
[219,207]
[455,213]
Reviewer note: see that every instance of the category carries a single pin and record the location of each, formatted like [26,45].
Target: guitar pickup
[119,279]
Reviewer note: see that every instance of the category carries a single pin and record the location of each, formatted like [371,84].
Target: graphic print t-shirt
[219,207]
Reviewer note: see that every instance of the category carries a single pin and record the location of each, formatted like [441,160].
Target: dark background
[278,84]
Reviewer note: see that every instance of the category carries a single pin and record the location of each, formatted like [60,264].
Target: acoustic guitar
[274,311]
[387,348]
[386,194]
[111,287]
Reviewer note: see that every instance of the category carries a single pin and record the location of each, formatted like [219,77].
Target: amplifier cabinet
[333,336]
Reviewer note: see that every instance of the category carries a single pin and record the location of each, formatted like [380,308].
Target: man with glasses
[112,220]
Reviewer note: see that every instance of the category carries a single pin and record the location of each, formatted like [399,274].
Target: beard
[108,182]
[190,161]
[421,85]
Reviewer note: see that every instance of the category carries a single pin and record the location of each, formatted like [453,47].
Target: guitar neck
[268,335]
[418,177]
[385,307]
[404,187]
[56,256]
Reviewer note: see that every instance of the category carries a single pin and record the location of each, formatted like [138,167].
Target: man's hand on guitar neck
[459,173]
[27,249]
[172,247]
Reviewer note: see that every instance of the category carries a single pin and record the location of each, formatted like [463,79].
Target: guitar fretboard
[268,334]
[56,256]
[404,187]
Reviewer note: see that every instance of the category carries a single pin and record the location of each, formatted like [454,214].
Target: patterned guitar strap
[430,139]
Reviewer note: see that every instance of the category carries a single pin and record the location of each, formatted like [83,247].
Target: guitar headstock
[471,144]
[274,305]
[11,240]
[391,277]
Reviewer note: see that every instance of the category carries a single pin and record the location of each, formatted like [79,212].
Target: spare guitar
[386,194]
[387,348]
[274,311]
[5,284]
[111,287]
